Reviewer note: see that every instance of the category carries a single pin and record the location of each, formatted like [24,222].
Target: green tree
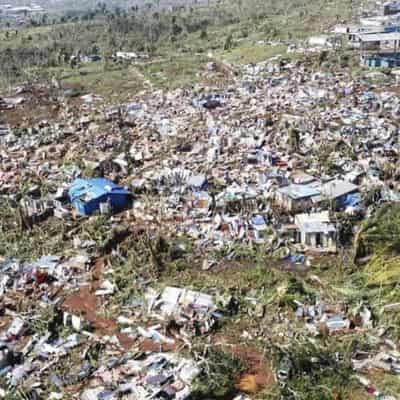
[228,42]
[294,139]
[203,34]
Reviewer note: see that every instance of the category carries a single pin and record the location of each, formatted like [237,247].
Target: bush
[218,376]
[317,372]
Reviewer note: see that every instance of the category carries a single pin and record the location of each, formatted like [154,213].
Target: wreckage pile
[280,139]
[30,347]
[201,219]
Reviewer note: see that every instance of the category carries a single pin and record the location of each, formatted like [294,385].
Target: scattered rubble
[279,168]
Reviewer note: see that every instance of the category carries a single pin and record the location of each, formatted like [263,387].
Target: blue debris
[352,200]
[295,258]
[258,220]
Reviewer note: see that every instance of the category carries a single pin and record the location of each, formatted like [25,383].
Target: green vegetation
[114,84]
[218,379]
[238,32]
[380,233]
[320,372]
[174,72]
[252,53]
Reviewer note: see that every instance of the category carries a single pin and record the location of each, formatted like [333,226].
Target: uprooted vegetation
[318,372]
[378,243]
[219,375]
[381,233]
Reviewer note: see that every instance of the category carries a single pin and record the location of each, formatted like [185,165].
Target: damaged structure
[98,194]
[316,232]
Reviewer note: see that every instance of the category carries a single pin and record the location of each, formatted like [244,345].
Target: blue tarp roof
[93,188]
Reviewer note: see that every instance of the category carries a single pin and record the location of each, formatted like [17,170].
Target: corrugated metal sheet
[379,37]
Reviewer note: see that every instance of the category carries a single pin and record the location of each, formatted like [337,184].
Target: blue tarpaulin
[86,195]
[295,258]
[352,200]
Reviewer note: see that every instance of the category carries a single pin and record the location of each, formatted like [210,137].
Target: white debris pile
[194,311]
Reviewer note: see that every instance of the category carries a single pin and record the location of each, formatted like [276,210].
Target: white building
[316,232]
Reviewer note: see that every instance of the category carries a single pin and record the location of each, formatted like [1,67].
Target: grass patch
[115,84]
[174,72]
[256,53]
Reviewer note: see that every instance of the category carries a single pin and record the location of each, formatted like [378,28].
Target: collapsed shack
[123,345]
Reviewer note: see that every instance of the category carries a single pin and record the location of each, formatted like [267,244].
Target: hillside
[198,202]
